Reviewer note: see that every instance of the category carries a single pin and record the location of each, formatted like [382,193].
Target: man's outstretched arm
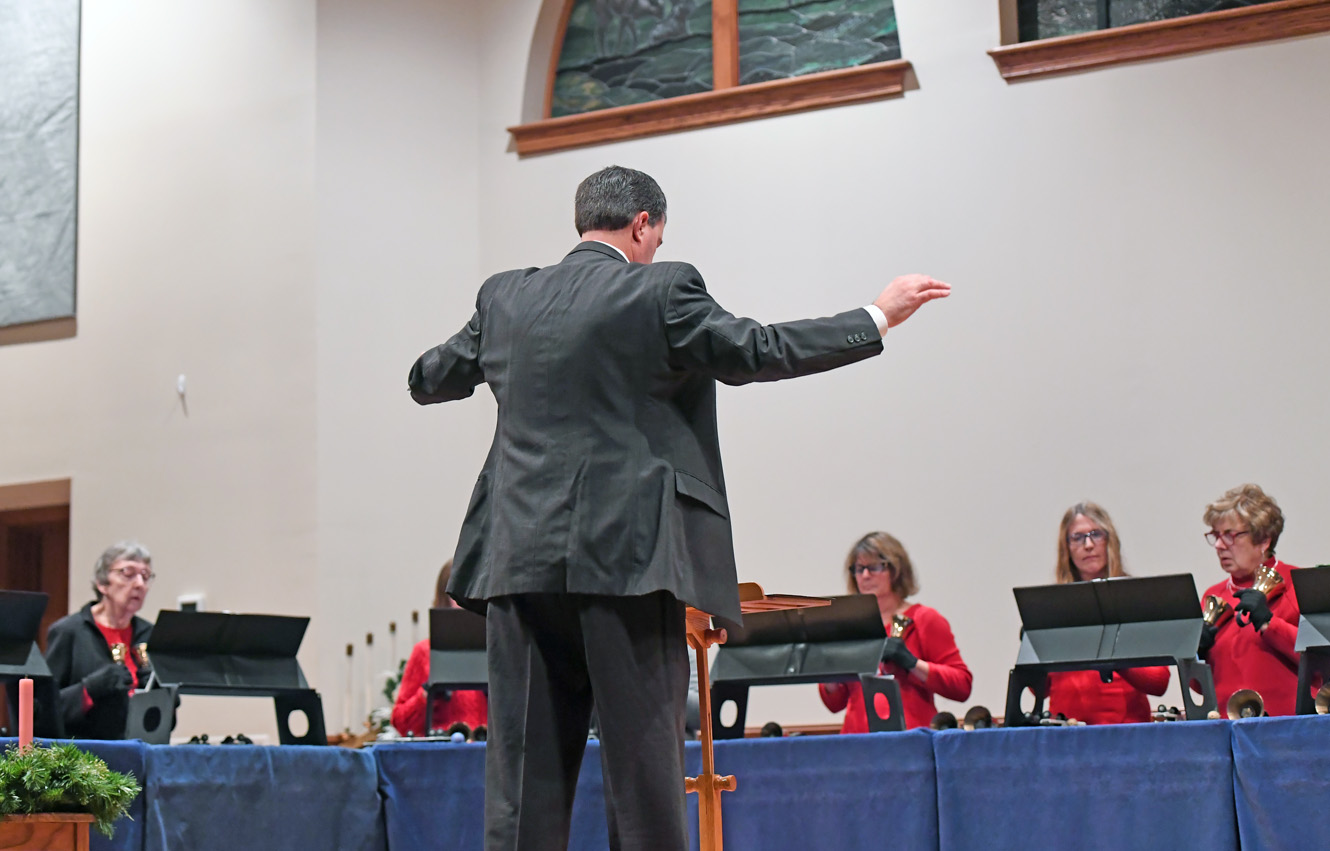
[706,338]
[448,371]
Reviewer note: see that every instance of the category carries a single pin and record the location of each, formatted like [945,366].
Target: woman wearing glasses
[1088,548]
[1252,644]
[96,654]
[924,661]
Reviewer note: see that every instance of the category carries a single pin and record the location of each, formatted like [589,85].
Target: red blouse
[1264,661]
[1084,696]
[930,639]
[470,706]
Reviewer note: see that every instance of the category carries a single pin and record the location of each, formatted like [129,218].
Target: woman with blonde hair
[925,661]
[1245,524]
[1089,549]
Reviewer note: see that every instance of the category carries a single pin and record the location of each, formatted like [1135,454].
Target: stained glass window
[617,52]
[789,38]
[1048,18]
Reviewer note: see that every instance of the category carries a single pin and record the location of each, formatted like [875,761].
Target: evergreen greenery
[64,779]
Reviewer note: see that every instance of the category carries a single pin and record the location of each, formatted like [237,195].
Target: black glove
[895,651]
[1257,608]
[110,679]
[1207,640]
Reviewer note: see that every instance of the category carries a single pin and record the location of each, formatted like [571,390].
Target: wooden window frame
[726,103]
[1159,39]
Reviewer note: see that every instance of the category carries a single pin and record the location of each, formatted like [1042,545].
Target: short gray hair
[611,198]
[120,551]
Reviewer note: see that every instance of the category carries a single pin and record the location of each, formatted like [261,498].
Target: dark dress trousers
[74,649]
[600,507]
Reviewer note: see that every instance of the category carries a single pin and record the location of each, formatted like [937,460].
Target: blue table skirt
[1281,770]
[1123,787]
[1201,785]
[227,797]
[796,793]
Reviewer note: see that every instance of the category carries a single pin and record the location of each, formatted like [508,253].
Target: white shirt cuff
[879,317]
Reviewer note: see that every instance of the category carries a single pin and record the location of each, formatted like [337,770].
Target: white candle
[369,674]
[347,698]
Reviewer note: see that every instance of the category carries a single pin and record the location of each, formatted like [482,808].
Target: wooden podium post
[708,785]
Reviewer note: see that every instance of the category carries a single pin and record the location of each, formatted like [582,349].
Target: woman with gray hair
[1251,644]
[97,654]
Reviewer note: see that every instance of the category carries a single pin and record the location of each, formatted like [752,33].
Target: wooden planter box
[45,832]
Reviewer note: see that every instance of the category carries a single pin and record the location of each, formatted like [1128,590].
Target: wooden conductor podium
[708,785]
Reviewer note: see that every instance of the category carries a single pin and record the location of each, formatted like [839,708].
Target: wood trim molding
[40,331]
[707,109]
[724,44]
[34,495]
[1158,39]
[564,15]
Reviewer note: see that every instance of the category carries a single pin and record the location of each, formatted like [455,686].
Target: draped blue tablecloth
[1194,785]
[794,793]
[1281,769]
[227,797]
[1122,787]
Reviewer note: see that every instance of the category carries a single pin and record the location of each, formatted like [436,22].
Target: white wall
[287,200]
[397,266]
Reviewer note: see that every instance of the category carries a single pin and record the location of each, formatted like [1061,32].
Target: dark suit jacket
[604,476]
[74,649]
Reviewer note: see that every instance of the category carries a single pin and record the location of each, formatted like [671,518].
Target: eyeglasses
[876,568]
[1213,538]
[1084,538]
[131,574]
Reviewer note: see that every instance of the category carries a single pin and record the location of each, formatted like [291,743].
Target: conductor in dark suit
[601,510]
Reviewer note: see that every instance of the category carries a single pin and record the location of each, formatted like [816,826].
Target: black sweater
[75,647]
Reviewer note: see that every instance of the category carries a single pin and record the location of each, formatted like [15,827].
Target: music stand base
[307,702]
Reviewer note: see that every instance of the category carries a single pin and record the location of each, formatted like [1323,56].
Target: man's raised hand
[906,294]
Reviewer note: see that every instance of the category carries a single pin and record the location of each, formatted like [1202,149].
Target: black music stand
[228,655]
[1106,625]
[20,622]
[456,656]
[841,642]
[1312,587]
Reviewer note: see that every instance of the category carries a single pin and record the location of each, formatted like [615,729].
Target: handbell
[1267,579]
[899,623]
[141,655]
[1245,703]
[1215,607]
[978,718]
[1323,700]
[119,652]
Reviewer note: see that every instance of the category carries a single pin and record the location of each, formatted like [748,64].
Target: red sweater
[1084,696]
[930,639]
[467,705]
[1264,661]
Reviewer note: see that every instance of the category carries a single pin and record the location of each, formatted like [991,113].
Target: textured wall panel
[39,54]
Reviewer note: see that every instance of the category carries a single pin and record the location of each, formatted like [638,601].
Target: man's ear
[641,222]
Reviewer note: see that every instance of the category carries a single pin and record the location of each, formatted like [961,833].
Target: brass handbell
[1215,607]
[899,623]
[1267,579]
[1323,700]
[119,652]
[1245,703]
[141,655]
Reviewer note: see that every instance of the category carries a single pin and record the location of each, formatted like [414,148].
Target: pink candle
[24,713]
